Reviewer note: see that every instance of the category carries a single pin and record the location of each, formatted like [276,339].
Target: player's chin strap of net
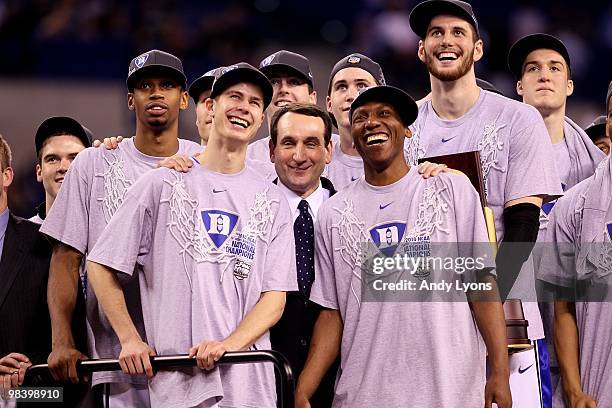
[286,399]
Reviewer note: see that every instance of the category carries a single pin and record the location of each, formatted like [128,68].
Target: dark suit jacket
[292,334]
[25,325]
[24,269]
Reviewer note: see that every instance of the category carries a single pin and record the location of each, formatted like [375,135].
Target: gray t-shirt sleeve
[323,290]
[127,238]
[68,219]
[558,262]
[279,272]
[531,167]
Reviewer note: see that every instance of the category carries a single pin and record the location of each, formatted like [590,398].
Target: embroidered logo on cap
[140,60]
[228,69]
[268,60]
[353,60]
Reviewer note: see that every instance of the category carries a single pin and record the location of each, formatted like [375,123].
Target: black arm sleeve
[521,224]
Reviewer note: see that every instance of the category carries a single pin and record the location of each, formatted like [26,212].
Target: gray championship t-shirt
[578,251]
[94,187]
[402,353]
[516,158]
[206,246]
[343,169]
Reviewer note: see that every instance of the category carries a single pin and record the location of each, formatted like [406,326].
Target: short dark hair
[306,109]
[6,157]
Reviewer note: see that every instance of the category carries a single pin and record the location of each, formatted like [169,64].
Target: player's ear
[184,100]
[38,173]
[519,87]
[313,97]
[421,51]
[328,104]
[407,133]
[478,50]
[209,105]
[130,101]
[570,87]
[7,177]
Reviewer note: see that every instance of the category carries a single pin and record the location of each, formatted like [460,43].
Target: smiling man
[213,250]
[300,136]
[516,156]
[58,140]
[93,189]
[292,81]
[396,352]
[350,75]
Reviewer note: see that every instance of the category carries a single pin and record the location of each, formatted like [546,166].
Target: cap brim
[64,124]
[238,75]
[157,69]
[200,85]
[422,14]
[521,49]
[403,103]
[272,68]
[596,131]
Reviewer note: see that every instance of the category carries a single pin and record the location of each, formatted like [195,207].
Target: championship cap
[422,14]
[357,61]
[287,60]
[159,61]
[203,83]
[56,124]
[597,128]
[521,49]
[403,103]
[242,72]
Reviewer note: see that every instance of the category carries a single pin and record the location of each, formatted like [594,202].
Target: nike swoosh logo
[382,207]
[444,140]
[215,191]
[521,371]
[354,178]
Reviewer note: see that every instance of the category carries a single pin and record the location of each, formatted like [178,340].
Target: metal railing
[285,399]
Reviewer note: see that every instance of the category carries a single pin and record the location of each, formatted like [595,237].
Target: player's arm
[567,348]
[489,316]
[62,289]
[324,349]
[134,357]
[266,312]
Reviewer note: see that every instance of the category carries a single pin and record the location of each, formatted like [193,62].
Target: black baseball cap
[521,49]
[287,60]
[608,97]
[487,86]
[157,61]
[403,103]
[64,124]
[597,129]
[242,72]
[357,61]
[203,83]
[422,13]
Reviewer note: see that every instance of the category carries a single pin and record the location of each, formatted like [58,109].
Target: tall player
[397,352]
[541,64]
[213,250]
[92,191]
[514,146]
[350,75]
[292,81]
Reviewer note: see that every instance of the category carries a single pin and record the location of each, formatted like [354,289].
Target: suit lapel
[12,257]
